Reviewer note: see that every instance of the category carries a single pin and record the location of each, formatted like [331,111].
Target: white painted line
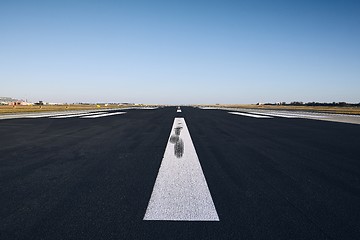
[19,116]
[146,108]
[31,115]
[310,116]
[249,115]
[307,115]
[289,115]
[103,115]
[275,114]
[42,114]
[78,115]
[45,115]
[292,115]
[344,118]
[180,192]
[179,110]
[49,115]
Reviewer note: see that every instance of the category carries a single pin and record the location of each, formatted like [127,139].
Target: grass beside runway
[66,107]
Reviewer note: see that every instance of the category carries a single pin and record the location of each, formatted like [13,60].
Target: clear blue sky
[180,52]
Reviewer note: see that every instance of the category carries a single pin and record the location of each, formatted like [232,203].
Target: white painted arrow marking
[180,192]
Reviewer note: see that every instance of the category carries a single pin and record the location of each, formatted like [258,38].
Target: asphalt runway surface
[92,178]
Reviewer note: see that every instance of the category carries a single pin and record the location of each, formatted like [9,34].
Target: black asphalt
[92,178]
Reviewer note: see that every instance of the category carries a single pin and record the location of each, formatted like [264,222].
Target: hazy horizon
[180,52]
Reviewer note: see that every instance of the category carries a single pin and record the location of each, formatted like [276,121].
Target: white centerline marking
[103,115]
[249,115]
[180,192]
[179,110]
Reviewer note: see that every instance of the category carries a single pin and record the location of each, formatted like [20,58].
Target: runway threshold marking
[38,115]
[293,115]
[180,192]
[103,115]
[249,115]
[78,115]
[146,108]
[276,114]
[45,115]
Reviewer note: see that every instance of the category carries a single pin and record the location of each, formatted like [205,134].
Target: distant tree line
[335,104]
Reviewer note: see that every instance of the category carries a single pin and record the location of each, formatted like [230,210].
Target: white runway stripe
[44,114]
[276,114]
[291,115]
[78,115]
[51,115]
[30,115]
[146,108]
[103,115]
[180,192]
[249,115]
[19,116]
[305,115]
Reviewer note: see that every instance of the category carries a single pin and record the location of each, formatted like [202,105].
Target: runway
[95,175]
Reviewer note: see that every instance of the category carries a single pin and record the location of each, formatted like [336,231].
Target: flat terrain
[5,109]
[92,175]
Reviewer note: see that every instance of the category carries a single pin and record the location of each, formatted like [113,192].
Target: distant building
[13,102]
[19,103]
